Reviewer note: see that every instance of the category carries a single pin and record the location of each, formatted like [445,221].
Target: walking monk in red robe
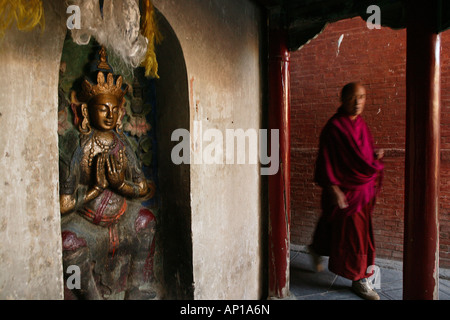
[349,170]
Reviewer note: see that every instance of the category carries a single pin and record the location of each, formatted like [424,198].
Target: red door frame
[279,184]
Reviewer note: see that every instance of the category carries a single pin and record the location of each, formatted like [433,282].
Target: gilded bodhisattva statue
[105,232]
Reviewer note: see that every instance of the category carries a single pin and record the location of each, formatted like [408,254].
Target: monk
[349,170]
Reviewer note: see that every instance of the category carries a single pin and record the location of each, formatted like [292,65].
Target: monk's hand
[115,172]
[339,197]
[379,154]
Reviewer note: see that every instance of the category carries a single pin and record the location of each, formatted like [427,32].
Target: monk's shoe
[317,261]
[363,288]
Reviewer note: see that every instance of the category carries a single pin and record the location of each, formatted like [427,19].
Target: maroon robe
[346,158]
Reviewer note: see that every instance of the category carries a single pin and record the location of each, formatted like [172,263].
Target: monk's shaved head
[349,89]
[353,97]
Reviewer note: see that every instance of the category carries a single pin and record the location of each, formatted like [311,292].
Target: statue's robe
[118,232]
[346,158]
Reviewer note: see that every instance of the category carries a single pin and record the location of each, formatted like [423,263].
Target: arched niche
[173,246]
[172,96]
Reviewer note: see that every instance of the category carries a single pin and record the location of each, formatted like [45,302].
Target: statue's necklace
[105,148]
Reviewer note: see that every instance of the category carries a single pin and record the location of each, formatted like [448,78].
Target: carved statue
[106,233]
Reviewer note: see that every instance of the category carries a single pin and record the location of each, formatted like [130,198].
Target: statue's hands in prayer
[101,181]
[68,202]
[379,154]
[115,172]
[339,197]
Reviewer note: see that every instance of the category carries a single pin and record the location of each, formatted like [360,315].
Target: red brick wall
[378,59]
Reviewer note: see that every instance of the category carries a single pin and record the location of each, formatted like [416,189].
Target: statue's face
[104,112]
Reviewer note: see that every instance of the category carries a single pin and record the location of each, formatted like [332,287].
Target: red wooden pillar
[279,183]
[421,238]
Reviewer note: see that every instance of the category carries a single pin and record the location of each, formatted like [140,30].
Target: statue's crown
[103,86]
[89,90]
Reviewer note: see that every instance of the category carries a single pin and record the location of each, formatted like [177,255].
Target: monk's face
[353,103]
[104,112]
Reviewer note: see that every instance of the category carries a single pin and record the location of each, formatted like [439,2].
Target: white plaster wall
[221,42]
[30,237]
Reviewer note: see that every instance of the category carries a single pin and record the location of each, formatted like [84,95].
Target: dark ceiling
[306,18]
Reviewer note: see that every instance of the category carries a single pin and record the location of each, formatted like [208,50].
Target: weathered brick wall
[378,59]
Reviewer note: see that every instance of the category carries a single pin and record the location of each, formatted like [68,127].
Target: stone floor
[308,285]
